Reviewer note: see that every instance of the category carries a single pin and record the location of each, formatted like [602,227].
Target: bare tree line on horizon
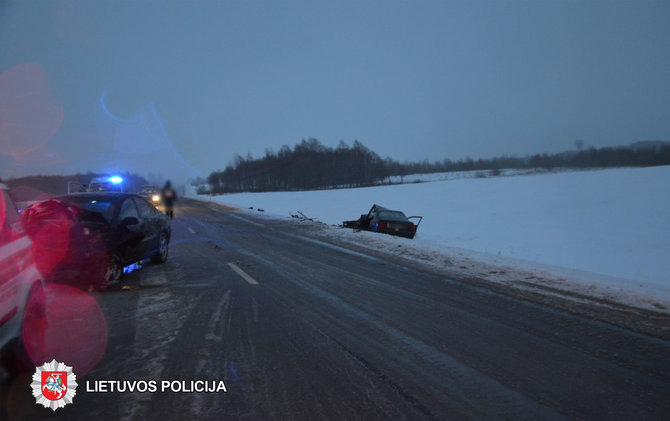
[310,165]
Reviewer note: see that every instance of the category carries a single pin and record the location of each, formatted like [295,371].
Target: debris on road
[301,216]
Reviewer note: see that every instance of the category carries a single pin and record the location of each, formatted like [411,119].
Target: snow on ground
[600,232]
[455,175]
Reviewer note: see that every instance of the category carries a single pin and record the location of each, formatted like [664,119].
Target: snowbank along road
[302,328]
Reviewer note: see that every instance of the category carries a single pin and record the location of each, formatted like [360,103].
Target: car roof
[377,208]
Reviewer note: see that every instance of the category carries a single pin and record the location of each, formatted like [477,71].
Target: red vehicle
[19,281]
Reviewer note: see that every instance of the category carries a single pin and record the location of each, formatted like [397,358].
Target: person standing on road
[169,196]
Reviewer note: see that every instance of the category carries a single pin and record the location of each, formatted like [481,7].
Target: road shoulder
[641,314]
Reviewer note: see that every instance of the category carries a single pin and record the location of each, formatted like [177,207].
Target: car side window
[145,209]
[8,216]
[9,213]
[128,209]
[10,222]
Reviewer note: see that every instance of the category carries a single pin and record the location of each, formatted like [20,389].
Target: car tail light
[382,225]
[412,227]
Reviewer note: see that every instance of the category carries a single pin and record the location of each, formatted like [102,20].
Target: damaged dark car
[88,238]
[387,221]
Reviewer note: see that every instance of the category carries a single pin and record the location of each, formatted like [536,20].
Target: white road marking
[242,273]
[191,229]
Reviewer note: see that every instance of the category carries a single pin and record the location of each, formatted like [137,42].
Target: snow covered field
[601,232]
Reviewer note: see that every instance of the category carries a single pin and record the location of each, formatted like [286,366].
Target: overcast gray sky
[114,85]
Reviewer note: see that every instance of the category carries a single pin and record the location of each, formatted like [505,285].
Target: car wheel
[163,245]
[114,270]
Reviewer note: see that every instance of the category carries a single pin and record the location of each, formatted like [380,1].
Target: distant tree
[311,165]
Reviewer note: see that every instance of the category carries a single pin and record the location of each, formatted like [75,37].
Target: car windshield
[102,206]
[393,216]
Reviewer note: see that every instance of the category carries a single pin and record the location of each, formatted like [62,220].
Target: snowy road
[303,329]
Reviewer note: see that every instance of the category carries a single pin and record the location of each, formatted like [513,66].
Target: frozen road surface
[300,329]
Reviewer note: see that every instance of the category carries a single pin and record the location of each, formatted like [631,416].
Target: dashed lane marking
[242,273]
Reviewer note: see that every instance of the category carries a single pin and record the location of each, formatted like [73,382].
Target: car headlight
[155,198]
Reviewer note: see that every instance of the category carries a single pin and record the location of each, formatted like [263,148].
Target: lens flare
[67,324]
[69,251]
[48,226]
[139,142]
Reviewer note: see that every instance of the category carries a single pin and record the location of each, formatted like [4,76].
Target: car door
[131,236]
[152,224]
[13,250]
[18,271]
[372,222]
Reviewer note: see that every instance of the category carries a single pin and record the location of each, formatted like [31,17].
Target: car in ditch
[86,239]
[387,221]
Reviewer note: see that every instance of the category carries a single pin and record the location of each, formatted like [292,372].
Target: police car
[98,184]
[113,183]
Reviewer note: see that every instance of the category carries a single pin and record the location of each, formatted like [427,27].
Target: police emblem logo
[54,385]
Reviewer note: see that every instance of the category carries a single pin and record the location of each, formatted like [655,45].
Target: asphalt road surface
[301,329]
